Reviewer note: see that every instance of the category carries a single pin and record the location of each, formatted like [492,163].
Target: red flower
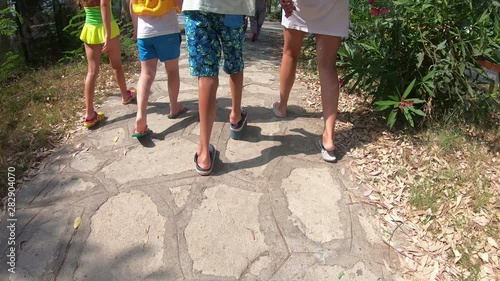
[374,11]
[384,11]
[370,1]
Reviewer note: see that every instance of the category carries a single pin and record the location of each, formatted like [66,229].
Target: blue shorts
[164,47]
[206,34]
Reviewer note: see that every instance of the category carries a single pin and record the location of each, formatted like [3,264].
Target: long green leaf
[408,116]
[386,102]
[417,111]
[409,88]
[392,118]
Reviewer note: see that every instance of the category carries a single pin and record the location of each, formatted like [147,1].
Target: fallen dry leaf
[77,222]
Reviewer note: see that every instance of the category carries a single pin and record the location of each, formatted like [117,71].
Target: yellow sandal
[98,117]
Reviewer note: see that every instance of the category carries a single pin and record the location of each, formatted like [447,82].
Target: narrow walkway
[272,210]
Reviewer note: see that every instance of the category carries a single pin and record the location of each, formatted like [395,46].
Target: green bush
[11,63]
[414,56]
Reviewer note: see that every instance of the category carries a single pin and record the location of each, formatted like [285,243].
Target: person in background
[329,21]
[257,20]
[158,38]
[100,34]
[213,27]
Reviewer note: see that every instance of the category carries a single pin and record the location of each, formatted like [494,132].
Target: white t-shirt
[151,26]
[225,7]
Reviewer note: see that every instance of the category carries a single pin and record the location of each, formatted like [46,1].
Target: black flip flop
[200,170]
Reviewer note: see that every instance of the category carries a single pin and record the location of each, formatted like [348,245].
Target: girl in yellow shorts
[101,34]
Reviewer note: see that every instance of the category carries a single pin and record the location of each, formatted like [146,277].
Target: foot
[131,95]
[278,111]
[204,166]
[329,155]
[140,134]
[180,110]
[94,120]
[238,129]
[141,125]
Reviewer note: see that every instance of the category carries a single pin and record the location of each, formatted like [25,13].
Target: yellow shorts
[96,34]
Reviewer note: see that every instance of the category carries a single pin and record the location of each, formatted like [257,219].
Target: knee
[291,55]
[92,74]
[172,73]
[330,64]
[117,68]
[148,77]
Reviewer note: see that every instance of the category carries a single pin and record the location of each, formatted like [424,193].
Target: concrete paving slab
[255,146]
[152,162]
[308,204]
[42,243]
[109,138]
[359,272]
[223,235]
[136,248]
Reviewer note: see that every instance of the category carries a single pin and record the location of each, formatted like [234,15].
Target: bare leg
[148,73]
[207,93]
[114,54]
[93,53]
[326,48]
[174,83]
[291,53]
[236,84]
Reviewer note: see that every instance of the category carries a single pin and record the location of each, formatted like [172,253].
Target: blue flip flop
[200,170]
[238,130]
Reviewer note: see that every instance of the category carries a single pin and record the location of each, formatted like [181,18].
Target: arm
[179,3]
[134,20]
[106,20]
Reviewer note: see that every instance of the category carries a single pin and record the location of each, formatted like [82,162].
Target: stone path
[272,210]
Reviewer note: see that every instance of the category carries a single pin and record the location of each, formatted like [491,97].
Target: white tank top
[151,26]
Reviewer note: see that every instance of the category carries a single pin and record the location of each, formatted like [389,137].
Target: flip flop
[328,156]
[238,130]
[276,112]
[200,170]
[98,117]
[182,111]
[132,94]
[144,133]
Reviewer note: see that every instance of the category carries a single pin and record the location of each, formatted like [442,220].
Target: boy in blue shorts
[158,38]
[212,27]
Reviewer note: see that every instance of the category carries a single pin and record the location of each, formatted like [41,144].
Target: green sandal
[144,133]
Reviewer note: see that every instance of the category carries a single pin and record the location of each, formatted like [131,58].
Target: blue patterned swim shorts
[206,33]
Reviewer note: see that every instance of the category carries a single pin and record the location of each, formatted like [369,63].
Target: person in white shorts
[329,21]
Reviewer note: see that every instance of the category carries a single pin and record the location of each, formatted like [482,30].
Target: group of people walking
[213,29]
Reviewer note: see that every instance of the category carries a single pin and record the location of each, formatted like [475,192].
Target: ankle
[328,142]
[235,116]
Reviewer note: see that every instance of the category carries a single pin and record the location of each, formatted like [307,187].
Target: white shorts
[328,17]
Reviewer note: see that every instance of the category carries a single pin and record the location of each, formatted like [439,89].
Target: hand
[105,47]
[288,6]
